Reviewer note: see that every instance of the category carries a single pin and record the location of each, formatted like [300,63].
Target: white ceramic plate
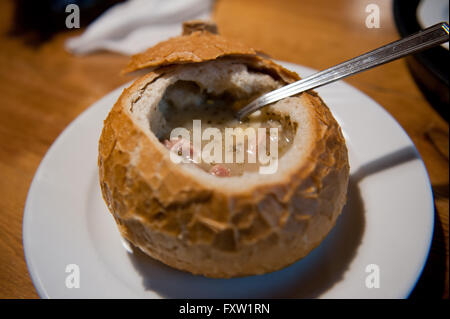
[388,220]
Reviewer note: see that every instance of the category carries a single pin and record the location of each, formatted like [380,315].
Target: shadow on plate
[310,277]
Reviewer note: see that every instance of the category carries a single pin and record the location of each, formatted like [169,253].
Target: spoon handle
[422,40]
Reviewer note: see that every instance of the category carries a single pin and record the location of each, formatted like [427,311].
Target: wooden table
[43,88]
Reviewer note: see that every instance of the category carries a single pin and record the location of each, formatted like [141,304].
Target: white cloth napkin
[135,25]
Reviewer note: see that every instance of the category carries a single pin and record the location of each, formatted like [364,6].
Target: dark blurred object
[39,20]
[429,68]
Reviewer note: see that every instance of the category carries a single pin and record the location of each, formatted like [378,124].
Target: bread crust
[197,46]
[205,229]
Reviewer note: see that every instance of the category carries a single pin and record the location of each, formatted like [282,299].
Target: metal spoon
[422,40]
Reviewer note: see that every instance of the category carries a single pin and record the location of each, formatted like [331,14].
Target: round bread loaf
[220,226]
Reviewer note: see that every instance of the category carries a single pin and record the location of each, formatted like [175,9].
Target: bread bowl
[195,221]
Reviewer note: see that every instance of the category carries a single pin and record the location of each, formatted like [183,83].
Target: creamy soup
[183,103]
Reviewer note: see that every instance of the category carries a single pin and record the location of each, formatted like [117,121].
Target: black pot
[428,68]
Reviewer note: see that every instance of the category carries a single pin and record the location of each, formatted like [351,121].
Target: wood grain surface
[43,88]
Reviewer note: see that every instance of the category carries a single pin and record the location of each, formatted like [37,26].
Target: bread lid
[199,43]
